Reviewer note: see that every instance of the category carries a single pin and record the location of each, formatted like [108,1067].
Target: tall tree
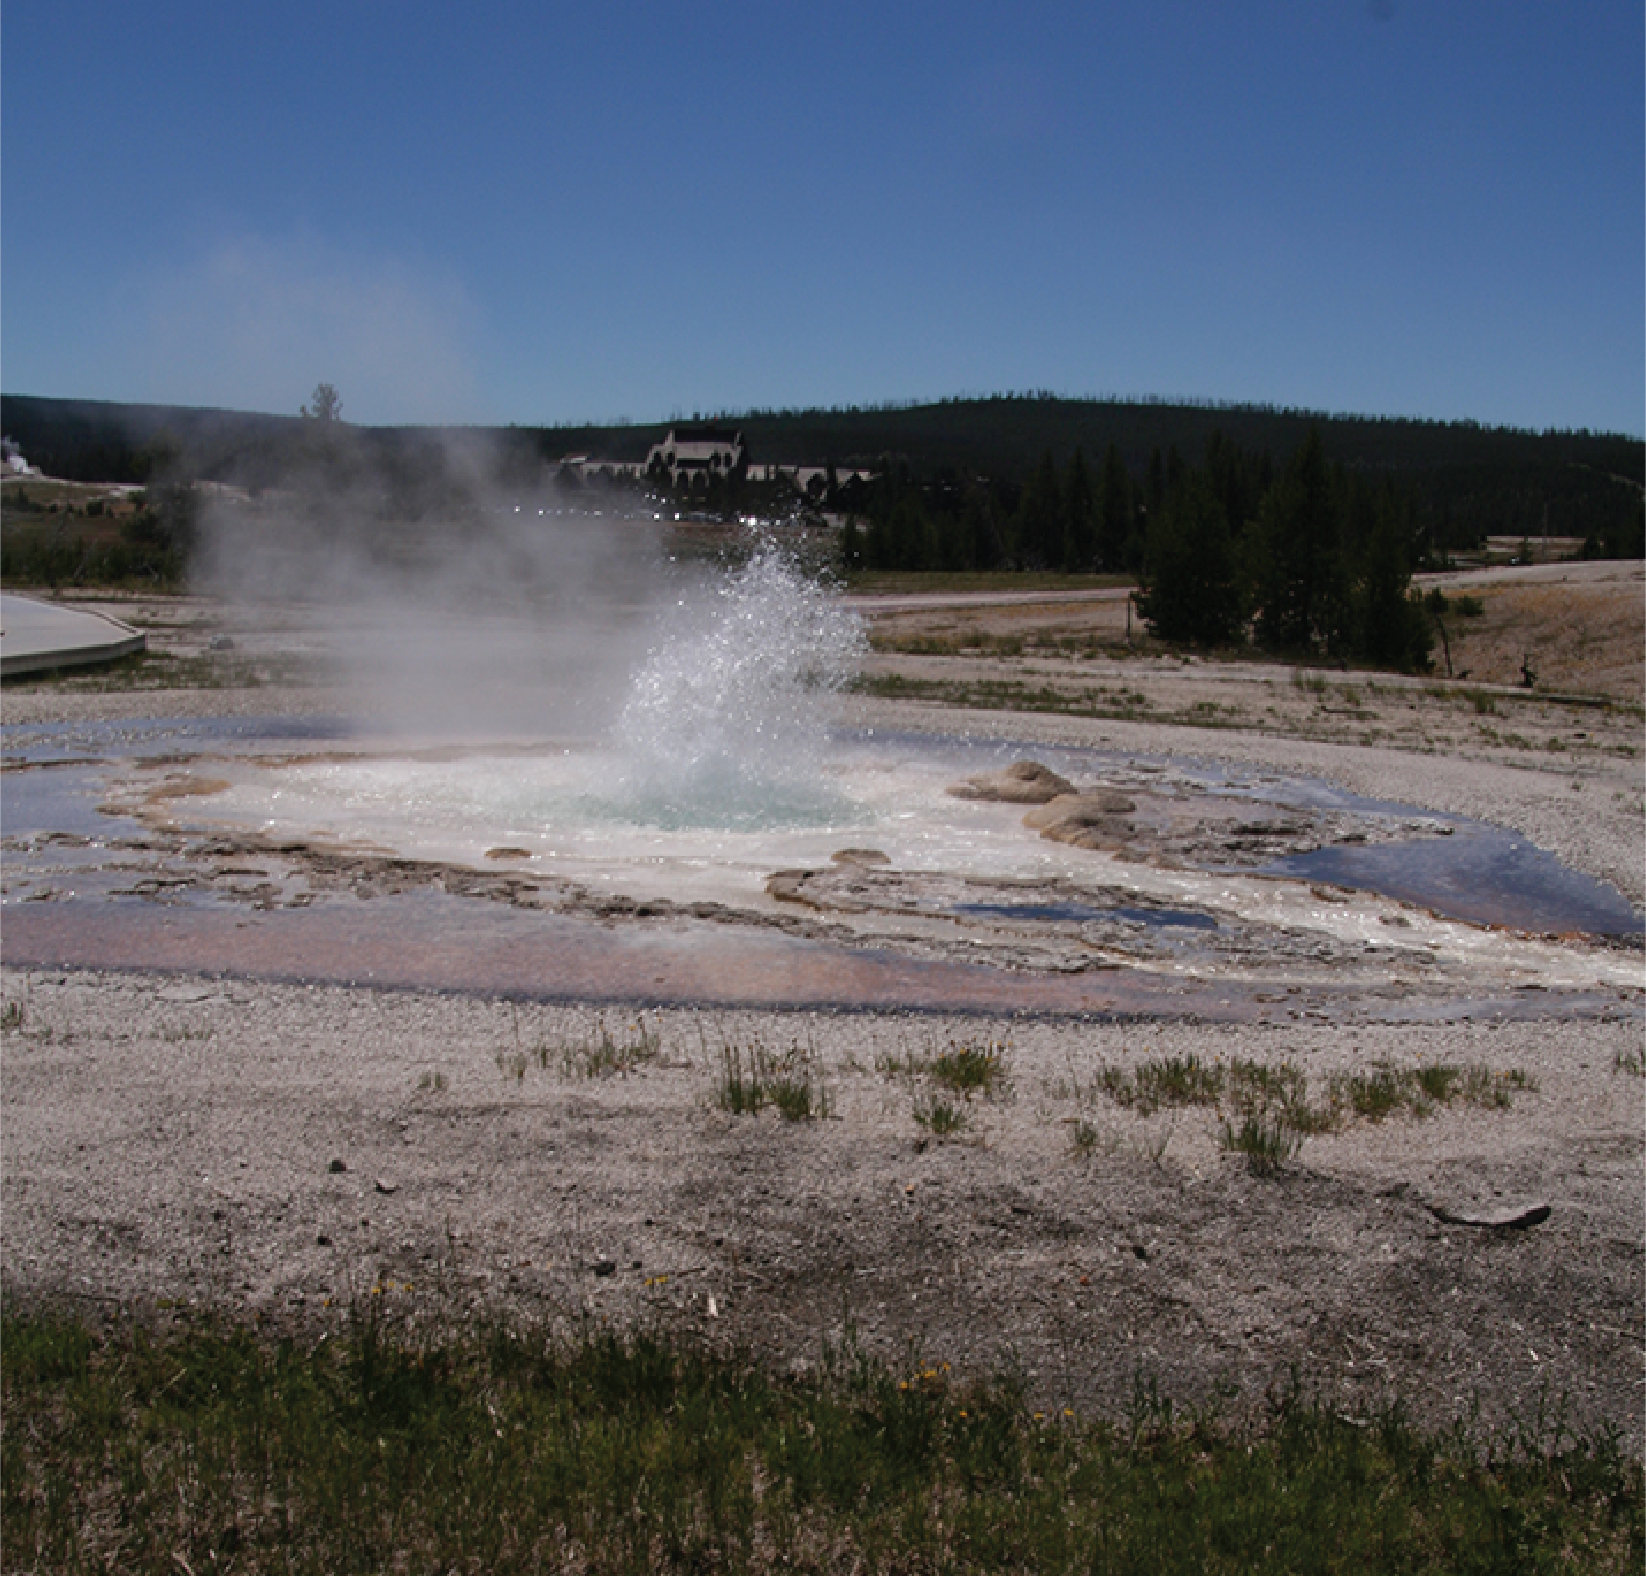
[1117,513]
[980,524]
[1190,590]
[1040,525]
[1080,515]
[1393,628]
[324,406]
[1296,567]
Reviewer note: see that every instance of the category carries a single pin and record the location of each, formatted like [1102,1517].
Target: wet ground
[1204,890]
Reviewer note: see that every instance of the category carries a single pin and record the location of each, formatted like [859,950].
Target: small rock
[1515,1216]
[789,886]
[186,993]
[604,1267]
[385,1187]
[860,857]
[1022,783]
[337,1166]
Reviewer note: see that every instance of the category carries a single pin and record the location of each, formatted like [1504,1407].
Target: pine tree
[1190,590]
[851,546]
[325,406]
[1041,531]
[1296,567]
[1394,630]
[1080,517]
[1117,513]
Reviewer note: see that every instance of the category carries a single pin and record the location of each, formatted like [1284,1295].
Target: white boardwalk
[36,635]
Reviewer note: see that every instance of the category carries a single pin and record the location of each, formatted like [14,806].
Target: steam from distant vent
[726,723]
[12,462]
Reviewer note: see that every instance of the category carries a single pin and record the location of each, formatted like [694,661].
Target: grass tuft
[968,1070]
[513,1065]
[961,1071]
[753,1078]
[1383,1090]
[939,1116]
[1264,1108]
[1267,1140]
[608,1055]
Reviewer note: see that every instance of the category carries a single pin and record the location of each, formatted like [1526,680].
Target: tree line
[1029,481]
[1465,480]
[1304,557]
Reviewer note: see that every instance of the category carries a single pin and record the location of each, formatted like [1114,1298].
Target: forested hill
[1485,480]
[1504,479]
[1006,437]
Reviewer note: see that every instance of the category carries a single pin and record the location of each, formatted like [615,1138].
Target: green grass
[513,1064]
[1266,1139]
[206,1447]
[143,671]
[1084,1138]
[753,1078]
[983,643]
[607,1055]
[940,1117]
[1007,695]
[1265,1109]
[1163,1081]
[945,1082]
[969,1070]
[1384,1091]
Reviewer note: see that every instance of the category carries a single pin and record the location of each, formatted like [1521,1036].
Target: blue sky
[543,213]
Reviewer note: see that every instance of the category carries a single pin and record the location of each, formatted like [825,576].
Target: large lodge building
[692,458]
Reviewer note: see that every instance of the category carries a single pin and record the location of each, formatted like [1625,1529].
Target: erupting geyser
[726,719]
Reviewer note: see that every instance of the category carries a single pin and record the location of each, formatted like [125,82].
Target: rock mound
[1022,783]
[1098,820]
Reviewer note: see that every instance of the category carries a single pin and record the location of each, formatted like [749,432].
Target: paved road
[36,635]
[920,602]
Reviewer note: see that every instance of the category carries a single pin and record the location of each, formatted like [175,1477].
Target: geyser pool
[724,780]
[718,761]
